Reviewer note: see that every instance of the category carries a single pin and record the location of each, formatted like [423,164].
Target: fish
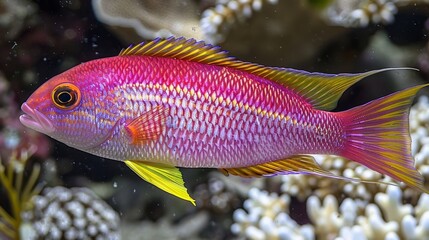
[177,103]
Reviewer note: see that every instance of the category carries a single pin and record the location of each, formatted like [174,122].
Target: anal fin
[297,164]
[165,177]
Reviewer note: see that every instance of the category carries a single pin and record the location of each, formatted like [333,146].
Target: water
[76,195]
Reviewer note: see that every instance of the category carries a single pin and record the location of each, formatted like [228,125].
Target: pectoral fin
[147,126]
[166,177]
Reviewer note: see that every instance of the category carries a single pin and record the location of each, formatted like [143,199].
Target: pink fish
[181,103]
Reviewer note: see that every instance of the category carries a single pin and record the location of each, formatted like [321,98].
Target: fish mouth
[35,120]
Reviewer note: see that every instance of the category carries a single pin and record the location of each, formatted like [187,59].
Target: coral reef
[419,125]
[186,228]
[149,19]
[76,213]
[216,196]
[42,38]
[361,13]
[265,217]
[217,21]
[277,36]
[387,218]
[13,17]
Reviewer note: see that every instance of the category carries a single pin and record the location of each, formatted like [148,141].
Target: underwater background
[51,191]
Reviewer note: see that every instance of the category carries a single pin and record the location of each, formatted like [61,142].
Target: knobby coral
[387,218]
[216,21]
[77,213]
[361,13]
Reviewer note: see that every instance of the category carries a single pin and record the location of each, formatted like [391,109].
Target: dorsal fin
[321,90]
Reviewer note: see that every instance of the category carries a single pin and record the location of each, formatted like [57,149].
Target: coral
[216,21]
[166,228]
[361,13]
[215,195]
[276,34]
[265,217]
[18,191]
[326,217]
[149,19]
[388,218]
[76,213]
[419,123]
[13,16]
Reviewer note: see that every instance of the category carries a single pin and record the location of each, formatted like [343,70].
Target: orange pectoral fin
[147,126]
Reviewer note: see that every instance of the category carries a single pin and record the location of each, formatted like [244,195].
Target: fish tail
[377,136]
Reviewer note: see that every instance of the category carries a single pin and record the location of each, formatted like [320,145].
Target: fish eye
[66,96]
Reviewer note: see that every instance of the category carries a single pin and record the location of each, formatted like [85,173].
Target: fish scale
[287,134]
[177,102]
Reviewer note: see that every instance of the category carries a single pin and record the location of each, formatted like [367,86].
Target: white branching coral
[326,216]
[360,13]
[419,125]
[265,217]
[216,21]
[388,218]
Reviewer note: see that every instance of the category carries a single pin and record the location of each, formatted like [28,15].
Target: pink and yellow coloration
[178,102]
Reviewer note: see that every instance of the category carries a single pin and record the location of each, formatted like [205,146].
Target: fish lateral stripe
[377,136]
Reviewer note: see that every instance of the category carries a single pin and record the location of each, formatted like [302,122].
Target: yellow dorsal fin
[321,90]
[166,177]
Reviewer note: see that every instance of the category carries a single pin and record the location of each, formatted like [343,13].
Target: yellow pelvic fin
[147,126]
[166,177]
[321,90]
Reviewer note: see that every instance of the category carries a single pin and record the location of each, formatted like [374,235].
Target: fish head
[73,108]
